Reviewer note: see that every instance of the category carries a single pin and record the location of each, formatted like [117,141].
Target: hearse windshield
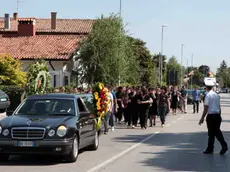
[47,107]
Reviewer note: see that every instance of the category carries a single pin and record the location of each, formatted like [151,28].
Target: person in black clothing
[174,100]
[134,107]
[120,96]
[144,102]
[163,104]
[153,110]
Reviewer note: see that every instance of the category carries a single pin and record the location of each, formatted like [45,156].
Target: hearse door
[83,121]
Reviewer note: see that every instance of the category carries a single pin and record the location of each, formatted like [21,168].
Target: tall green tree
[147,70]
[106,54]
[223,74]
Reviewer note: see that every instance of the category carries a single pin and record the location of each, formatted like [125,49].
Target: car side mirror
[9,113]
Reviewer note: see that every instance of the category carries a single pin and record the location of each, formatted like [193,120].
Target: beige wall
[60,71]
[58,65]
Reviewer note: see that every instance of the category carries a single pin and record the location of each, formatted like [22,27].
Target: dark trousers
[119,114]
[213,124]
[162,114]
[144,118]
[126,114]
[196,106]
[135,117]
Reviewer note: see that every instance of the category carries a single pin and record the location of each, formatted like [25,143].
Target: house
[54,40]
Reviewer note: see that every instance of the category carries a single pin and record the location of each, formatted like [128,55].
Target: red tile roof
[80,26]
[55,47]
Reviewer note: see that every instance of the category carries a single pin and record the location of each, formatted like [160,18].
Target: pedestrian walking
[213,111]
[144,101]
[163,104]
[175,95]
[184,99]
[153,110]
[196,100]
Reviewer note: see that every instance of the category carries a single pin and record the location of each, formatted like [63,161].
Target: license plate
[26,144]
[3,100]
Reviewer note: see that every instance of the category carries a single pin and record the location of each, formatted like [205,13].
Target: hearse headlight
[6,132]
[51,133]
[0,129]
[61,131]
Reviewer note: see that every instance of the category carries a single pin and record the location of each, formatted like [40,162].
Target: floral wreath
[101,102]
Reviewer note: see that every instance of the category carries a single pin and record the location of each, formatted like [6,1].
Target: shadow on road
[182,152]
[35,160]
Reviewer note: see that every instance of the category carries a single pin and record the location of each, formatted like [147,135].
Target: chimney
[15,16]
[53,20]
[7,21]
[26,27]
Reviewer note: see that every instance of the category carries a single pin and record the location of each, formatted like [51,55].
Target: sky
[202,25]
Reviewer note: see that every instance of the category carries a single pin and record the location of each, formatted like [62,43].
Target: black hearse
[57,124]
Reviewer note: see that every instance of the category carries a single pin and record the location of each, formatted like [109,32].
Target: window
[88,100]
[47,107]
[81,106]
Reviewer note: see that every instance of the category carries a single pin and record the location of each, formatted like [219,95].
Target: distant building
[54,40]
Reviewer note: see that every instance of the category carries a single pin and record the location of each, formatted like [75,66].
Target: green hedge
[14,93]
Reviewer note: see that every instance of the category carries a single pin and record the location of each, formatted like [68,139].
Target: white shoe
[113,128]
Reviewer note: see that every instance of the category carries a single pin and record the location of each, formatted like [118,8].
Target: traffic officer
[213,111]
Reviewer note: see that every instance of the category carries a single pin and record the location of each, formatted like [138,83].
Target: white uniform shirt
[212,100]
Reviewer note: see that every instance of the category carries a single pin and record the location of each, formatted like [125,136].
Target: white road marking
[106,163]
[114,158]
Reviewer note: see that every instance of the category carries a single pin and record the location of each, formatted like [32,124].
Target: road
[176,147]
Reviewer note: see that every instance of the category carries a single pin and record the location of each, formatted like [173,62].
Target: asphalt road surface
[176,147]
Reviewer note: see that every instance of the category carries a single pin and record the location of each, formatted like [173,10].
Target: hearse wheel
[95,144]
[72,157]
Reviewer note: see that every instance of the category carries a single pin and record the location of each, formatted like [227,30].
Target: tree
[173,65]
[223,65]
[223,74]
[106,54]
[147,74]
[11,71]
[204,69]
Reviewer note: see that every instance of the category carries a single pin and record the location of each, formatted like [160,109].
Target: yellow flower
[100,86]
[99,113]
[98,107]
[98,104]
[106,90]
[96,95]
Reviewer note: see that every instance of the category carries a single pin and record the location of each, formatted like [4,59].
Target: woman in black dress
[120,96]
[144,102]
[174,100]
[153,110]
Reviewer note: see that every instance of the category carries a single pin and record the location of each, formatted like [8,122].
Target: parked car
[52,124]
[4,101]
[224,90]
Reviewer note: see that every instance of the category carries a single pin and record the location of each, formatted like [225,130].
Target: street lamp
[120,10]
[192,69]
[181,72]
[161,55]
